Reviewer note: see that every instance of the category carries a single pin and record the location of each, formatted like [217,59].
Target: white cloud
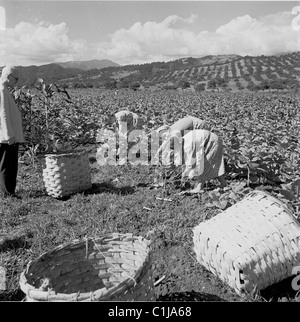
[266,35]
[244,35]
[169,39]
[37,44]
[145,42]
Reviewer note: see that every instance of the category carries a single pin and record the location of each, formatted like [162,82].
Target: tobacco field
[260,132]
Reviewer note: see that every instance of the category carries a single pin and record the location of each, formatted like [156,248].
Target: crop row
[259,131]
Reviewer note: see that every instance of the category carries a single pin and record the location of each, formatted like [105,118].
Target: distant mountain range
[57,71]
[219,72]
[90,64]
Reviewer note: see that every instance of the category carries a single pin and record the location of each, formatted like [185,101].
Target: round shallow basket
[112,267]
[65,173]
[252,244]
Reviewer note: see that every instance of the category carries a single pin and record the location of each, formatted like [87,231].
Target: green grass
[122,199]
[37,222]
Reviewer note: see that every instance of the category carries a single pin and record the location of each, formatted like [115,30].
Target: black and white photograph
[149,154]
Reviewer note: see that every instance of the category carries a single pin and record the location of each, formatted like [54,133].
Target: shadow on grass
[12,296]
[190,297]
[110,188]
[98,188]
[277,291]
[11,242]
[32,193]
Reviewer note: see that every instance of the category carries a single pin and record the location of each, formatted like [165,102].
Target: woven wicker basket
[250,245]
[65,173]
[112,267]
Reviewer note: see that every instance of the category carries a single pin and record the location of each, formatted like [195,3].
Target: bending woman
[188,123]
[128,121]
[199,152]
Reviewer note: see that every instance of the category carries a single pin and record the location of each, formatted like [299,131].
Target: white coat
[10,118]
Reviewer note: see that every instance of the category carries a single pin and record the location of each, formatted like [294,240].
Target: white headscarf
[6,71]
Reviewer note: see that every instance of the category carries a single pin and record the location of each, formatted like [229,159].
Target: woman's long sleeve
[6,128]
[10,118]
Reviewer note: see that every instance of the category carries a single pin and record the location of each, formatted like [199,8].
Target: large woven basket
[112,267]
[65,173]
[250,245]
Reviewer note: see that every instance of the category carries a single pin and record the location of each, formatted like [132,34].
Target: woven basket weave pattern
[252,244]
[115,267]
[64,174]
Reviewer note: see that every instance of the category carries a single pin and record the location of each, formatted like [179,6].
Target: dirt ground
[184,279]
[187,280]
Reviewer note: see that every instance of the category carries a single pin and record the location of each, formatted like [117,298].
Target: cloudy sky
[135,32]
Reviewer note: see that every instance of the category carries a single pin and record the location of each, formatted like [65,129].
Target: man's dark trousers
[8,167]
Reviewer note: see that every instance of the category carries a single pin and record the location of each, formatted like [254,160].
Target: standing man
[11,133]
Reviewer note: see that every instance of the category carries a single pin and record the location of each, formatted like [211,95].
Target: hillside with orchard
[209,73]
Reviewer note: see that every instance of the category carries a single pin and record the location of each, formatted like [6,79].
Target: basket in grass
[65,173]
[251,245]
[55,126]
[112,267]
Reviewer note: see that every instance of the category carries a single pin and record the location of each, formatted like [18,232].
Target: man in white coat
[11,133]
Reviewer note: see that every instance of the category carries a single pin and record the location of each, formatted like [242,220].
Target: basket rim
[279,202]
[102,293]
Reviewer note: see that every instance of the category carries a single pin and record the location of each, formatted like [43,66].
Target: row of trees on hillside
[217,83]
